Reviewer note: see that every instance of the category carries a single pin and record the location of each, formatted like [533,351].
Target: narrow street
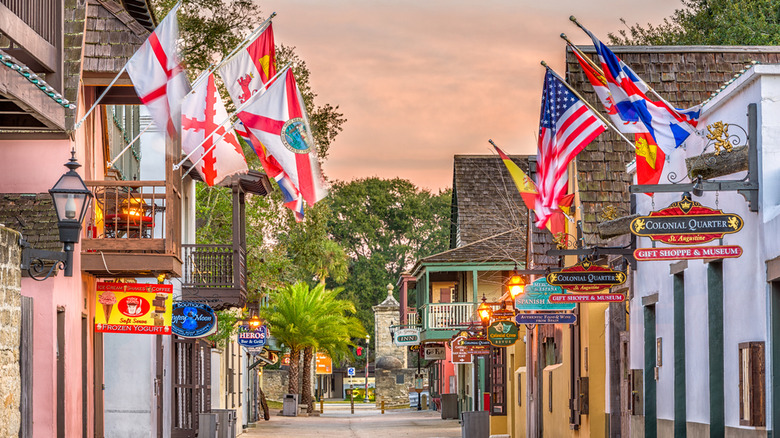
[338,422]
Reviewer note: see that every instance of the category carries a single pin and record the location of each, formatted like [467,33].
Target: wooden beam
[112,264]
[31,99]
[123,244]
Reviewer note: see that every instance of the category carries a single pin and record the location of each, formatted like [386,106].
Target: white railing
[411,318]
[449,315]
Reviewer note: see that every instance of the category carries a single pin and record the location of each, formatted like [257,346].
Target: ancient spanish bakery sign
[133,308]
[586,277]
[686,222]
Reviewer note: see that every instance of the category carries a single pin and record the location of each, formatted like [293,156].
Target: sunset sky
[421,81]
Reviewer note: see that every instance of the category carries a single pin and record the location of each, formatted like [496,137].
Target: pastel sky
[422,80]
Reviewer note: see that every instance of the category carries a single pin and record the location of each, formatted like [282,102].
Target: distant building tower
[392,379]
[385,315]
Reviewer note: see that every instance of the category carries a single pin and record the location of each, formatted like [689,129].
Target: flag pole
[587,58]
[212,68]
[574,20]
[239,109]
[97,101]
[111,163]
[590,107]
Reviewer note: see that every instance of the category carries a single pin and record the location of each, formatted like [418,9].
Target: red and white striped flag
[158,77]
[566,126]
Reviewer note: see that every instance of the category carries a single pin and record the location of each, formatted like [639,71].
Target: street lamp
[71,199]
[484,311]
[365,398]
[516,284]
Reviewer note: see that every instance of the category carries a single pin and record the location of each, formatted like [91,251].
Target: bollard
[383,406]
[425,401]
[322,401]
[351,402]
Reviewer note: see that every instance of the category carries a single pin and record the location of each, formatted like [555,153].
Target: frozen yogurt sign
[133,308]
[193,320]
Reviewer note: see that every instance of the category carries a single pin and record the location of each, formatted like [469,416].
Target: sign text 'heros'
[133,308]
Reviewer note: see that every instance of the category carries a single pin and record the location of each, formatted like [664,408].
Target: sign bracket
[747,187]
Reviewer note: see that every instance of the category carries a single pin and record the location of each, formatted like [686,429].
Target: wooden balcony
[215,275]
[448,316]
[133,230]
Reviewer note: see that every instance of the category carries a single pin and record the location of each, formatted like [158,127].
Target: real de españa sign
[686,222]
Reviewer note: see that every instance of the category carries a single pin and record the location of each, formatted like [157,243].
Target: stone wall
[392,386]
[275,384]
[387,314]
[10,325]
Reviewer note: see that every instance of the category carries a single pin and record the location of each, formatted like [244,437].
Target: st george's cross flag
[669,126]
[278,120]
[244,75]
[158,77]
[566,127]
[201,111]
[649,158]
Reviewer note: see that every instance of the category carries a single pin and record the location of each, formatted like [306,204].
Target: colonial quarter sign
[686,222]
[586,277]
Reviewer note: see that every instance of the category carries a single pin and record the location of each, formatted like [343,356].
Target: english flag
[158,77]
[566,127]
[201,111]
[278,120]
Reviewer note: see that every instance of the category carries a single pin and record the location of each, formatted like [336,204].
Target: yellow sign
[133,308]
[324,364]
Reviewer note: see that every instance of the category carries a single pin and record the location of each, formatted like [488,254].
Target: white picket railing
[449,315]
[411,318]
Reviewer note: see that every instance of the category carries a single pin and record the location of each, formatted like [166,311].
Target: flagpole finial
[544,64]
[573,18]
[563,36]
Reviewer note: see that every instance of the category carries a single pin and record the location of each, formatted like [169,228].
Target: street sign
[586,277]
[249,336]
[351,371]
[407,336]
[460,352]
[686,222]
[587,298]
[546,318]
[502,333]
[688,253]
[434,352]
[537,297]
[476,342]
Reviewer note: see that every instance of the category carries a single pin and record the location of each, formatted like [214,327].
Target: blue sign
[252,337]
[192,320]
[546,318]
[537,297]
[351,371]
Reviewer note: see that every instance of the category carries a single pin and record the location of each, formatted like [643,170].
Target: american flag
[566,126]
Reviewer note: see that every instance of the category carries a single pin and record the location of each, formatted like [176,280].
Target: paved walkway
[338,422]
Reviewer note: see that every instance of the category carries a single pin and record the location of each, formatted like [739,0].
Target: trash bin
[207,425]
[475,424]
[226,422]
[449,406]
[290,405]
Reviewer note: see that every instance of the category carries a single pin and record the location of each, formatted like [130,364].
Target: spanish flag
[649,159]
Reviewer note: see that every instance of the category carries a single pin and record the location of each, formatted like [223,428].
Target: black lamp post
[71,199]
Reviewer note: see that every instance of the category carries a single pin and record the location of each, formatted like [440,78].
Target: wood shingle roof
[112,36]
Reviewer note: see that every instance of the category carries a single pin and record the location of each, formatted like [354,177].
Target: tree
[710,22]
[385,226]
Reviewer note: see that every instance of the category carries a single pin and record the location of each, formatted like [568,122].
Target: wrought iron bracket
[747,187]
[34,260]
[596,252]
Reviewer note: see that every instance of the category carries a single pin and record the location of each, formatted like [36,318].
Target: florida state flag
[201,111]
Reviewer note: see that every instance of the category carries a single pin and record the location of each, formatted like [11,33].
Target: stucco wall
[10,324]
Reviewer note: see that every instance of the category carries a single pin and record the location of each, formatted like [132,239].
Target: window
[497,376]
[751,384]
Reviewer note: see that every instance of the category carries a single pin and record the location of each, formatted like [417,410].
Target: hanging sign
[133,308]
[502,333]
[324,364]
[587,298]
[250,337]
[688,253]
[686,222]
[546,318]
[434,352]
[536,296]
[586,277]
[407,336]
[460,352]
[193,320]
[477,345]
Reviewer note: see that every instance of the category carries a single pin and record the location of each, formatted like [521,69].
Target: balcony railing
[29,11]
[214,274]
[411,318]
[448,316]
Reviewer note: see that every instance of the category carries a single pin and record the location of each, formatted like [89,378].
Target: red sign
[586,277]
[587,298]
[686,222]
[686,253]
[133,308]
